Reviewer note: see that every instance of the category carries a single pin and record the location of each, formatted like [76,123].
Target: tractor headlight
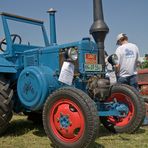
[73,54]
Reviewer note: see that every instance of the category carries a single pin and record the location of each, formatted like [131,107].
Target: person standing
[128,55]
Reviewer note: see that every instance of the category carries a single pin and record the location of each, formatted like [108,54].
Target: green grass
[25,134]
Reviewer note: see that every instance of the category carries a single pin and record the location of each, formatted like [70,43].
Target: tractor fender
[6,66]
[34,85]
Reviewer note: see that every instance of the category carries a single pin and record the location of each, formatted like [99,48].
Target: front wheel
[129,123]
[70,118]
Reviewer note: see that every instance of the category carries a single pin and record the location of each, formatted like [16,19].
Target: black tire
[80,109]
[5,105]
[145,98]
[135,116]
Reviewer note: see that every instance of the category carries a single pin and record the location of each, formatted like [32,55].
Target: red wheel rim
[66,120]
[122,98]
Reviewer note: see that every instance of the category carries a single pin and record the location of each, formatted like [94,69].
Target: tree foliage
[144,64]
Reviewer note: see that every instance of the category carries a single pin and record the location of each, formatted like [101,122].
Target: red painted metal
[122,121]
[143,76]
[144,90]
[142,71]
[75,130]
[143,81]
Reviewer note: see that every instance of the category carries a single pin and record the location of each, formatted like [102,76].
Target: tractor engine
[98,88]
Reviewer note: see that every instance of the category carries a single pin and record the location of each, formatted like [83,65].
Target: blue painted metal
[37,57]
[36,69]
[64,121]
[34,85]
[53,39]
[112,109]
[6,16]
[6,66]
[45,36]
[8,37]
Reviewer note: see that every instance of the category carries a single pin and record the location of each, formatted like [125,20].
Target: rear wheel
[5,105]
[136,110]
[70,119]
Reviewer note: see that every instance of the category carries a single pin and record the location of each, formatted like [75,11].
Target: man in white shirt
[128,55]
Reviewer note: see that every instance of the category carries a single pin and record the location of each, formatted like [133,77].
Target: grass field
[24,134]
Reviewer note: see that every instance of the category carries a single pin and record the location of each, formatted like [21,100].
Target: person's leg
[133,82]
[122,80]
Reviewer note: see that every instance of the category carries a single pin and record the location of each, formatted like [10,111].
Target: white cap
[119,36]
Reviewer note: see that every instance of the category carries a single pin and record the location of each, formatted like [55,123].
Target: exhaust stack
[53,39]
[99,29]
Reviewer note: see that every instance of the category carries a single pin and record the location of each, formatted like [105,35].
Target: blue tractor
[66,84]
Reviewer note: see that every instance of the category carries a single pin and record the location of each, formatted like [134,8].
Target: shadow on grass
[40,132]
[95,145]
[22,126]
[140,131]
[104,132]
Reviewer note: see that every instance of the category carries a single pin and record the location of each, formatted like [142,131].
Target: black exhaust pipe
[99,29]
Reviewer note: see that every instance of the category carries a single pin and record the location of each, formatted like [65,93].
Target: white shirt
[128,55]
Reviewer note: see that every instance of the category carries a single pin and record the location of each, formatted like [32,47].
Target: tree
[144,64]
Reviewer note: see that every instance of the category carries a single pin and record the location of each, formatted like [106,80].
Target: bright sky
[74,18]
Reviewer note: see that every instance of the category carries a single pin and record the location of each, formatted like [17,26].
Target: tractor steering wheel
[14,38]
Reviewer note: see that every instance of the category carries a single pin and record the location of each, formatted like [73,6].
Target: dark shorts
[130,80]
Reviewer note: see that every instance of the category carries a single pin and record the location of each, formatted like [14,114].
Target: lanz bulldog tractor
[65,83]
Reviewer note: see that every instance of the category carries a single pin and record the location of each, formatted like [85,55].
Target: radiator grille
[31,60]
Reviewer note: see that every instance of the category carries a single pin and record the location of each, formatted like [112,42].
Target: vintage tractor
[65,83]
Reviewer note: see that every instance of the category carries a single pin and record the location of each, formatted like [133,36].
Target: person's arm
[138,62]
[117,66]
